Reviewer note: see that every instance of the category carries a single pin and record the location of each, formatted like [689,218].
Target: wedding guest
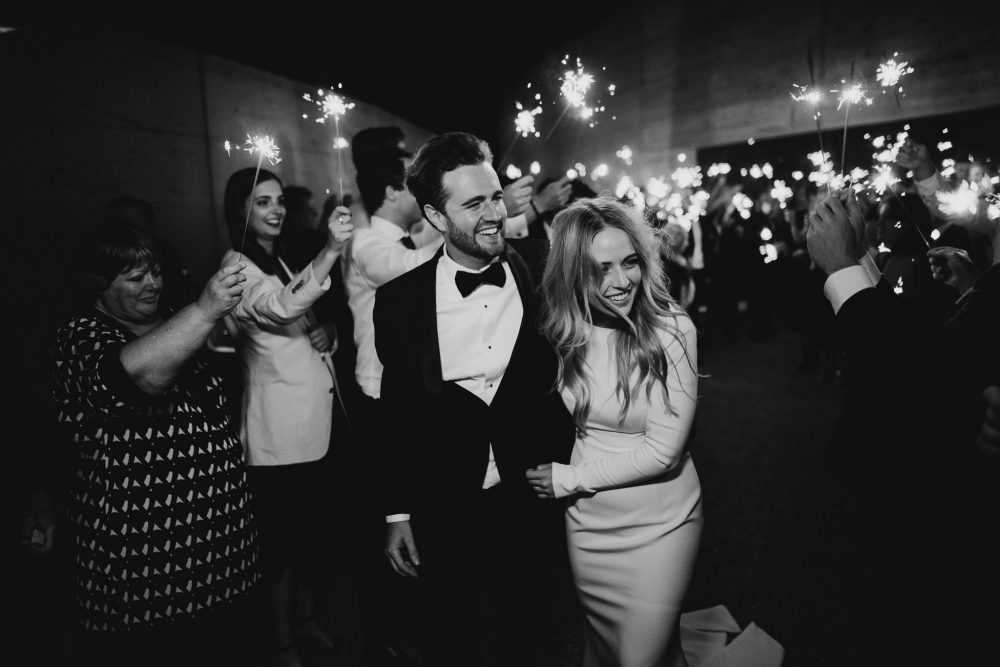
[288,399]
[165,546]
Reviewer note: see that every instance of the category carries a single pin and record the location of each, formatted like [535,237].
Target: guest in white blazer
[288,392]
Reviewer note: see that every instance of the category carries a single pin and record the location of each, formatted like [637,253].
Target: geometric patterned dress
[160,503]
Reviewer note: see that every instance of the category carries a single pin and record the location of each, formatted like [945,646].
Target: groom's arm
[397,392]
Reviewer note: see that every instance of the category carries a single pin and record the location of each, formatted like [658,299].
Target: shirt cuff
[845,283]
[871,268]
[396,518]
[517,227]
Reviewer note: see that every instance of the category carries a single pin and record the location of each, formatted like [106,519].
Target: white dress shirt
[377,256]
[476,335]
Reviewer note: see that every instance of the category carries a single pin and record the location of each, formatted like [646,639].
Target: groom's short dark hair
[438,156]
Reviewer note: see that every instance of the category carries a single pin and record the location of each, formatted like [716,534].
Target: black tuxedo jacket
[437,435]
[914,399]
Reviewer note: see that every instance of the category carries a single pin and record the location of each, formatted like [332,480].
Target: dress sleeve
[88,370]
[667,427]
[267,304]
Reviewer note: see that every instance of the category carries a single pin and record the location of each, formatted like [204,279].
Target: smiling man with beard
[469,404]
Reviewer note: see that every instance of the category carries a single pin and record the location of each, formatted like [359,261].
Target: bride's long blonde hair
[572,282]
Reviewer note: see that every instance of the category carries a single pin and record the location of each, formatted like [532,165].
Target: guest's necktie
[408,242]
[468,282]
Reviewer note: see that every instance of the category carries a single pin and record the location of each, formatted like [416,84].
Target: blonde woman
[628,375]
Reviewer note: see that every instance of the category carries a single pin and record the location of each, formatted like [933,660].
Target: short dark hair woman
[165,547]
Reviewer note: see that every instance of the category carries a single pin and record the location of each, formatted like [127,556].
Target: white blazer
[287,385]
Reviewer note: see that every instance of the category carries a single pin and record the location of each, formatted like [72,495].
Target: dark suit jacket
[914,403]
[438,435]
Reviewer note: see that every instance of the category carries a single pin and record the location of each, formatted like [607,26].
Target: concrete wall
[85,120]
[82,121]
[699,74]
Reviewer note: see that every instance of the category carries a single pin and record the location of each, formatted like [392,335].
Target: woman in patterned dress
[165,547]
[628,374]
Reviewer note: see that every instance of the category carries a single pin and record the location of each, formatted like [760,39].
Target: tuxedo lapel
[524,358]
[427,326]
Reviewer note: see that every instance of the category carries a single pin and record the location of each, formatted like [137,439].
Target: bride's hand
[540,479]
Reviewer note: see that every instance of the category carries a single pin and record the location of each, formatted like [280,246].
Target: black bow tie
[408,242]
[468,282]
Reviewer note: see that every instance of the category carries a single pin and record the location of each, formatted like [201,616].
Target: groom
[470,404]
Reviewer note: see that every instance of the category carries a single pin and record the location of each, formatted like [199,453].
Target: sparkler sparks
[229,147]
[806,95]
[852,94]
[574,87]
[330,105]
[781,192]
[883,179]
[513,173]
[264,146]
[890,72]
[625,154]
[743,205]
[718,168]
[962,202]
[687,177]
[524,122]
[993,207]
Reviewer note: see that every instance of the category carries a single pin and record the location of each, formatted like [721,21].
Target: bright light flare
[890,72]
[535,168]
[781,192]
[524,122]
[852,94]
[686,177]
[263,146]
[331,105]
[883,179]
[962,202]
[513,173]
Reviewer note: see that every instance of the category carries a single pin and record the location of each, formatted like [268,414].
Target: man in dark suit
[469,384]
[928,498]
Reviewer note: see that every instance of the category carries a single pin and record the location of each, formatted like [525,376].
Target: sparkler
[524,124]
[574,86]
[812,97]
[333,106]
[265,148]
[889,74]
[851,94]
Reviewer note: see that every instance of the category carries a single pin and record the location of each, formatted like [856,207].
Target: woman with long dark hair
[288,393]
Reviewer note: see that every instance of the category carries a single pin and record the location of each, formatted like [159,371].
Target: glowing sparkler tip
[264,146]
[890,72]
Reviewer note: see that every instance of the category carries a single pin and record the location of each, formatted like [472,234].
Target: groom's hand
[401,549]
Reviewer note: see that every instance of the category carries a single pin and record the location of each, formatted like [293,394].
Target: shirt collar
[451,267]
[386,228]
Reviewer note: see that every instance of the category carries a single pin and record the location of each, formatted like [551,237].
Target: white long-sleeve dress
[634,521]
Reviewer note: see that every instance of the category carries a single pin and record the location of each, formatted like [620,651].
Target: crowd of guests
[408,397]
